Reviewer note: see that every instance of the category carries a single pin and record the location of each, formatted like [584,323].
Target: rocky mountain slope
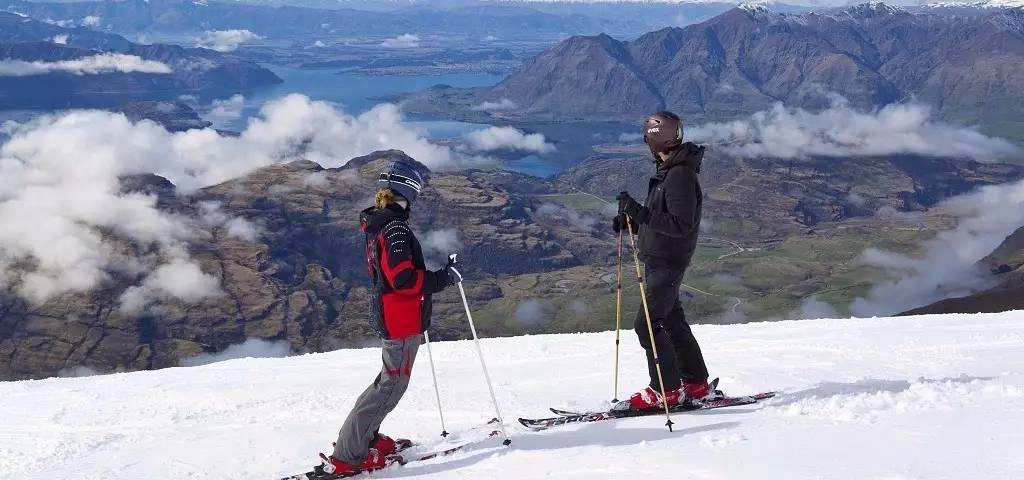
[183,69]
[300,282]
[531,253]
[761,199]
[967,68]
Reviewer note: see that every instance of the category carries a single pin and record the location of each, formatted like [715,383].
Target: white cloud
[178,279]
[60,39]
[58,224]
[533,312]
[319,44]
[226,40]
[407,40]
[947,268]
[570,216]
[242,229]
[507,138]
[841,131]
[60,23]
[93,65]
[251,348]
[812,308]
[78,371]
[630,138]
[227,109]
[890,213]
[235,227]
[438,244]
[489,106]
[91,21]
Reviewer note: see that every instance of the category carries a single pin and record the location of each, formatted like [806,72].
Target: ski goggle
[391,178]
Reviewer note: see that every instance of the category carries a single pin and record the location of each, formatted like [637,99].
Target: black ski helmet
[403,179]
[663,132]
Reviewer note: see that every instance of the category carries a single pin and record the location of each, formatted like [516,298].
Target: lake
[355,94]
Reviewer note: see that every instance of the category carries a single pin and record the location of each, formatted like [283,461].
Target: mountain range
[527,243]
[46,65]
[362,20]
[969,68]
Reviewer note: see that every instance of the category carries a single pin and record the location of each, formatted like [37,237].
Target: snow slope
[910,398]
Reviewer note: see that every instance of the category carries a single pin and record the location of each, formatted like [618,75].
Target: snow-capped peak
[873,9]
[754,7]
[976,4]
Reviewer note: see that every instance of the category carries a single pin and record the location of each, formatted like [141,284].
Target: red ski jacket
[402,286]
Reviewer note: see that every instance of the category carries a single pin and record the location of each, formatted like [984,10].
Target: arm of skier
[680,203]
[399,269]
[397,265]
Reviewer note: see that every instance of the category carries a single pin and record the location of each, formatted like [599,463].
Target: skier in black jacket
[400,313]
[668,228]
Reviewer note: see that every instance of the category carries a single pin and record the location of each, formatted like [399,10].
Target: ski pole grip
[457,274]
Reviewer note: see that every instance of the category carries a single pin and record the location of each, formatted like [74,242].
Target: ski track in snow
[934,397]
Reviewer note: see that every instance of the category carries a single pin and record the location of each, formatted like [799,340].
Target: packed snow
[934,397]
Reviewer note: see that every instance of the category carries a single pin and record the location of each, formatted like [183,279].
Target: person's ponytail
[384,198]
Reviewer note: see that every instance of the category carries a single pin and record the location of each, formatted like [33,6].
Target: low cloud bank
[947,267]
[507,138]
[438,244]
[842,131]
[227,109]
[407,40]
[69,227]
[226,40]
[533,313]
[576,220]
[251,348]
[94,65]
[489,106]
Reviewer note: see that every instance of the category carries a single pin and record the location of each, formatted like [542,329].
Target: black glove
[619,224]
[449,270]
[631,207]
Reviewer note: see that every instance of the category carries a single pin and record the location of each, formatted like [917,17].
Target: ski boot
[334,466]
[700,391]
[650,398]
[385,445]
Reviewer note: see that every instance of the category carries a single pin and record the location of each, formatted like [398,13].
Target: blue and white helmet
[403,179]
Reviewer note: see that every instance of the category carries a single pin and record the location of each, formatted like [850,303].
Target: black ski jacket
[402,286]
[674,203]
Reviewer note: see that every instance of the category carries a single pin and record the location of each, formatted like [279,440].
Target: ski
[398,458]
[712,385]
[566,417]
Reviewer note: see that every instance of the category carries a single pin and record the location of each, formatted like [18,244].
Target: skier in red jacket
[400,313]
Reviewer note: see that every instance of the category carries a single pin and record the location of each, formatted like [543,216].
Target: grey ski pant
[360,428]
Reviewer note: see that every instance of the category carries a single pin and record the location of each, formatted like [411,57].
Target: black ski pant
[678,351]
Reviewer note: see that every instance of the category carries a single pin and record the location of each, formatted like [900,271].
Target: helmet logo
[654,130]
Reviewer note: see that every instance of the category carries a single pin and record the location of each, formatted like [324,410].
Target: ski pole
[480,353]
[618,320]
[437,391]
[650,328]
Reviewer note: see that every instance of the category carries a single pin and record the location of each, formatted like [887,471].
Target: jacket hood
[373,219]
[688,154]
